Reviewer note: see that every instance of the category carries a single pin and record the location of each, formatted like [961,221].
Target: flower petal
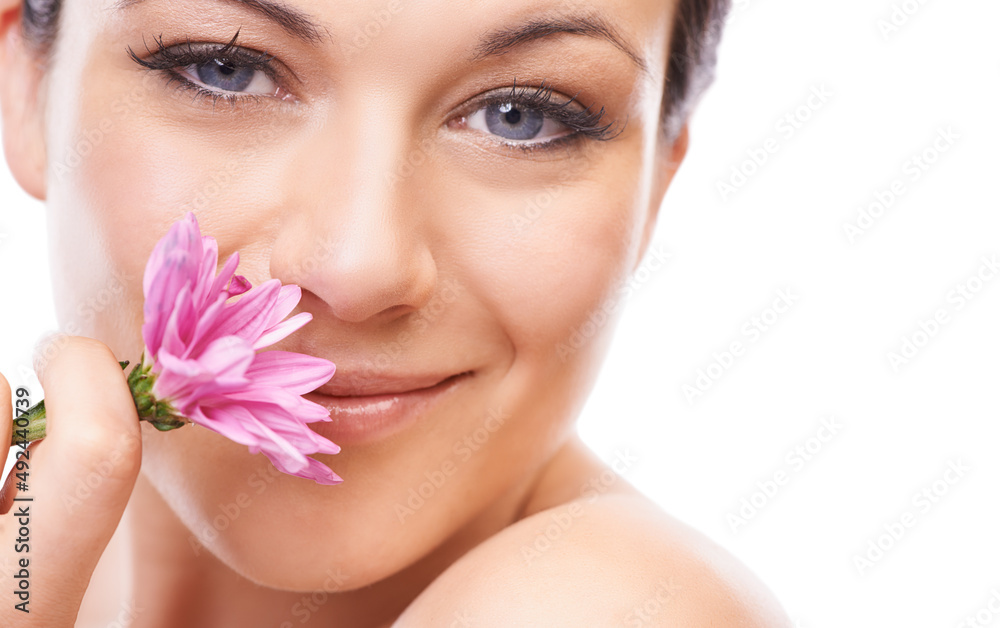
[271,442]
[295,372]
[247,317]
[221,283]
[205,276]
[183,235]
[282,330]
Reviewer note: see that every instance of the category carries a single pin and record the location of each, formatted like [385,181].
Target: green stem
[29,426]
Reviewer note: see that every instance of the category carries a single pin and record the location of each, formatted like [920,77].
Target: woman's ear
[669,158]
[21,109]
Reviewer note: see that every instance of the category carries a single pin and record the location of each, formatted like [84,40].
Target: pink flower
[203,353]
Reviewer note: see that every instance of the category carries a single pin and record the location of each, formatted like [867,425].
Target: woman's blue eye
[516,123]
[512,123]
[223,76]
[217,73]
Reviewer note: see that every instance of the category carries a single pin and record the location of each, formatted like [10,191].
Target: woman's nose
[356,244]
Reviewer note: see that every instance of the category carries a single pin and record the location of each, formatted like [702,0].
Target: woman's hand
[78,480]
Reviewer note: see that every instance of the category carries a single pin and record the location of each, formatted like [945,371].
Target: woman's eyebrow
[295,22]
[493,43]
[500,41]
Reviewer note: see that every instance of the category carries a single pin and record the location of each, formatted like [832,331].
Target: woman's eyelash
[583,122]
[163,58]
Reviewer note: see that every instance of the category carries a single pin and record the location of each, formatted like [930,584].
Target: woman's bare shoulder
[600,559]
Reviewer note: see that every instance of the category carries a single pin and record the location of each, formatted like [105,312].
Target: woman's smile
[380,406]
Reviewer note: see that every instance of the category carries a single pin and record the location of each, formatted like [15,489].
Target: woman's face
[348,148]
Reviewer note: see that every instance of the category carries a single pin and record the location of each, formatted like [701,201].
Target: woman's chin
[279,555]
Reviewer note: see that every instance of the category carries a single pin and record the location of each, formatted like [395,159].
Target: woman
[458,188]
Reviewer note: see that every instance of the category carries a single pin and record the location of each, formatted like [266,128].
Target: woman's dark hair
[690,67]
[694,42]
[39,23]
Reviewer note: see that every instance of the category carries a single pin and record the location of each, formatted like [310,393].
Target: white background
[828,354]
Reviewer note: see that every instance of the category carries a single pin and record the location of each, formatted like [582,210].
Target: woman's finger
[77,483]
[6,428]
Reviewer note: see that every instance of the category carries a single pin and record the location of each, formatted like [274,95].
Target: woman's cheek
[551,275]
[119,180]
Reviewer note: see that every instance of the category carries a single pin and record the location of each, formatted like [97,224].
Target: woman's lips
[389,405]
